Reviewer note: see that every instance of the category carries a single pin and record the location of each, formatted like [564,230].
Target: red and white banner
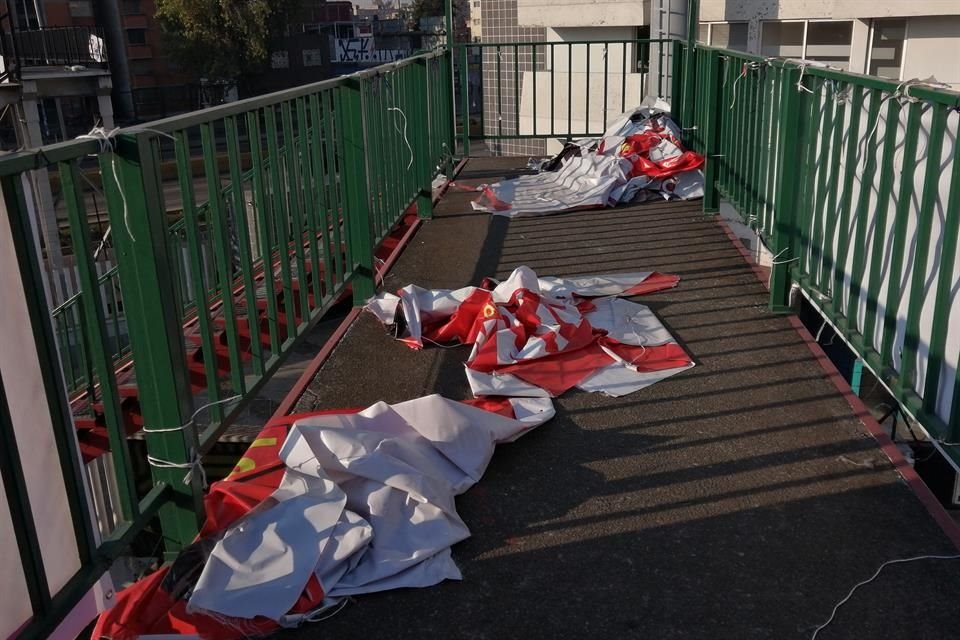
[543,336]
[322,506]
[640,157]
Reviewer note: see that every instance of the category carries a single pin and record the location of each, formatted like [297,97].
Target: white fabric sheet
[366,504]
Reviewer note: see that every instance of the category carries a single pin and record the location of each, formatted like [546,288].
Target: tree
[223,39]
[431,8]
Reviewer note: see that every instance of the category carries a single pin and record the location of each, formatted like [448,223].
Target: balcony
[58,47]
[750,493]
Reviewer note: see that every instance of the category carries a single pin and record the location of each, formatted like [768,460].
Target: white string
[404,132]
[800,87]
[442,346]
[105,139]
[193,417]
[836,608]
[775,260]
[196,462]
[743,72]
[195,465]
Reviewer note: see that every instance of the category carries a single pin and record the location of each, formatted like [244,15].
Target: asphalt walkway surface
[740,499]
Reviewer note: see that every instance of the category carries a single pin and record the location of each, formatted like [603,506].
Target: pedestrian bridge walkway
[740,499]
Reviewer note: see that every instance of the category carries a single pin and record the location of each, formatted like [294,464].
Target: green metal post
[784,231]
[710,133]
[155,326]
[356,188]
[689,77]
[676,81]
[465,100]
[423,163]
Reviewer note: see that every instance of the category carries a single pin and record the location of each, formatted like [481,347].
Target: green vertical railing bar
[880,216]
[295,203]
[218,221]
[195,256]
[858,269]
[281,223]
[94,319]
[711,133]
[423,162]
[465,98]
[156,336]
[901,220]
[569,90]
[335,200]
[830,213]
[322,262]
[785,228]
[261,203]
[243,239]
[308,132]
[586,93]
[356,188]
[921,254]
[810,122]
[843,223]
[950,233]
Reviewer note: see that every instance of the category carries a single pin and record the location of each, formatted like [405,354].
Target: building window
[81,9]
[782,39]
[132,7]
[729,35]
[824,41]
[829,42]
[886,48]
[137,36]
[726,35]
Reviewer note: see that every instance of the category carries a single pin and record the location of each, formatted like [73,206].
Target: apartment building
[897,39]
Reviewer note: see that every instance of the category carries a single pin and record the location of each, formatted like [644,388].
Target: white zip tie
[195,465]
[849,595]
[105,139]
[404,132]
[192,421]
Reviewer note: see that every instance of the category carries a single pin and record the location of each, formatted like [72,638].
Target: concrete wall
[727,10]
[582,13]
[933,48]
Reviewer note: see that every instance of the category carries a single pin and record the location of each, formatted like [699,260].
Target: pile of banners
[539,337]
[640,157]
[325,506]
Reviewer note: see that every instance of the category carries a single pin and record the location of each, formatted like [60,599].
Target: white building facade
[897,39]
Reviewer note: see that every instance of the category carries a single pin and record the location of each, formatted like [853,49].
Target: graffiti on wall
[361,50]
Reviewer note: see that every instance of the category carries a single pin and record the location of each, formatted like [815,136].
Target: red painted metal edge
[949,526]
[296,391]
[291,399]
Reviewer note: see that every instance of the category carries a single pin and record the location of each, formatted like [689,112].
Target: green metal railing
[854,184]
[313,179]
[570,89]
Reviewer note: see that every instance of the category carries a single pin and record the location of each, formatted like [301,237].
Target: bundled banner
[639,157]
[539,337]
[322,506]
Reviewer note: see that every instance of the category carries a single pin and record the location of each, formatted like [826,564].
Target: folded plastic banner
[323,506]
[640,157]
[535,337]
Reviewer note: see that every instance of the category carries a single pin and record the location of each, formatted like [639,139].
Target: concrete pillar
[104,102]
[107,13]
[43,196]
[668,19]
[860,46]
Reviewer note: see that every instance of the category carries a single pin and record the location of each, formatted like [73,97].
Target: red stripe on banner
[665,356]
[654,282]
[494,404]
[563,371]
